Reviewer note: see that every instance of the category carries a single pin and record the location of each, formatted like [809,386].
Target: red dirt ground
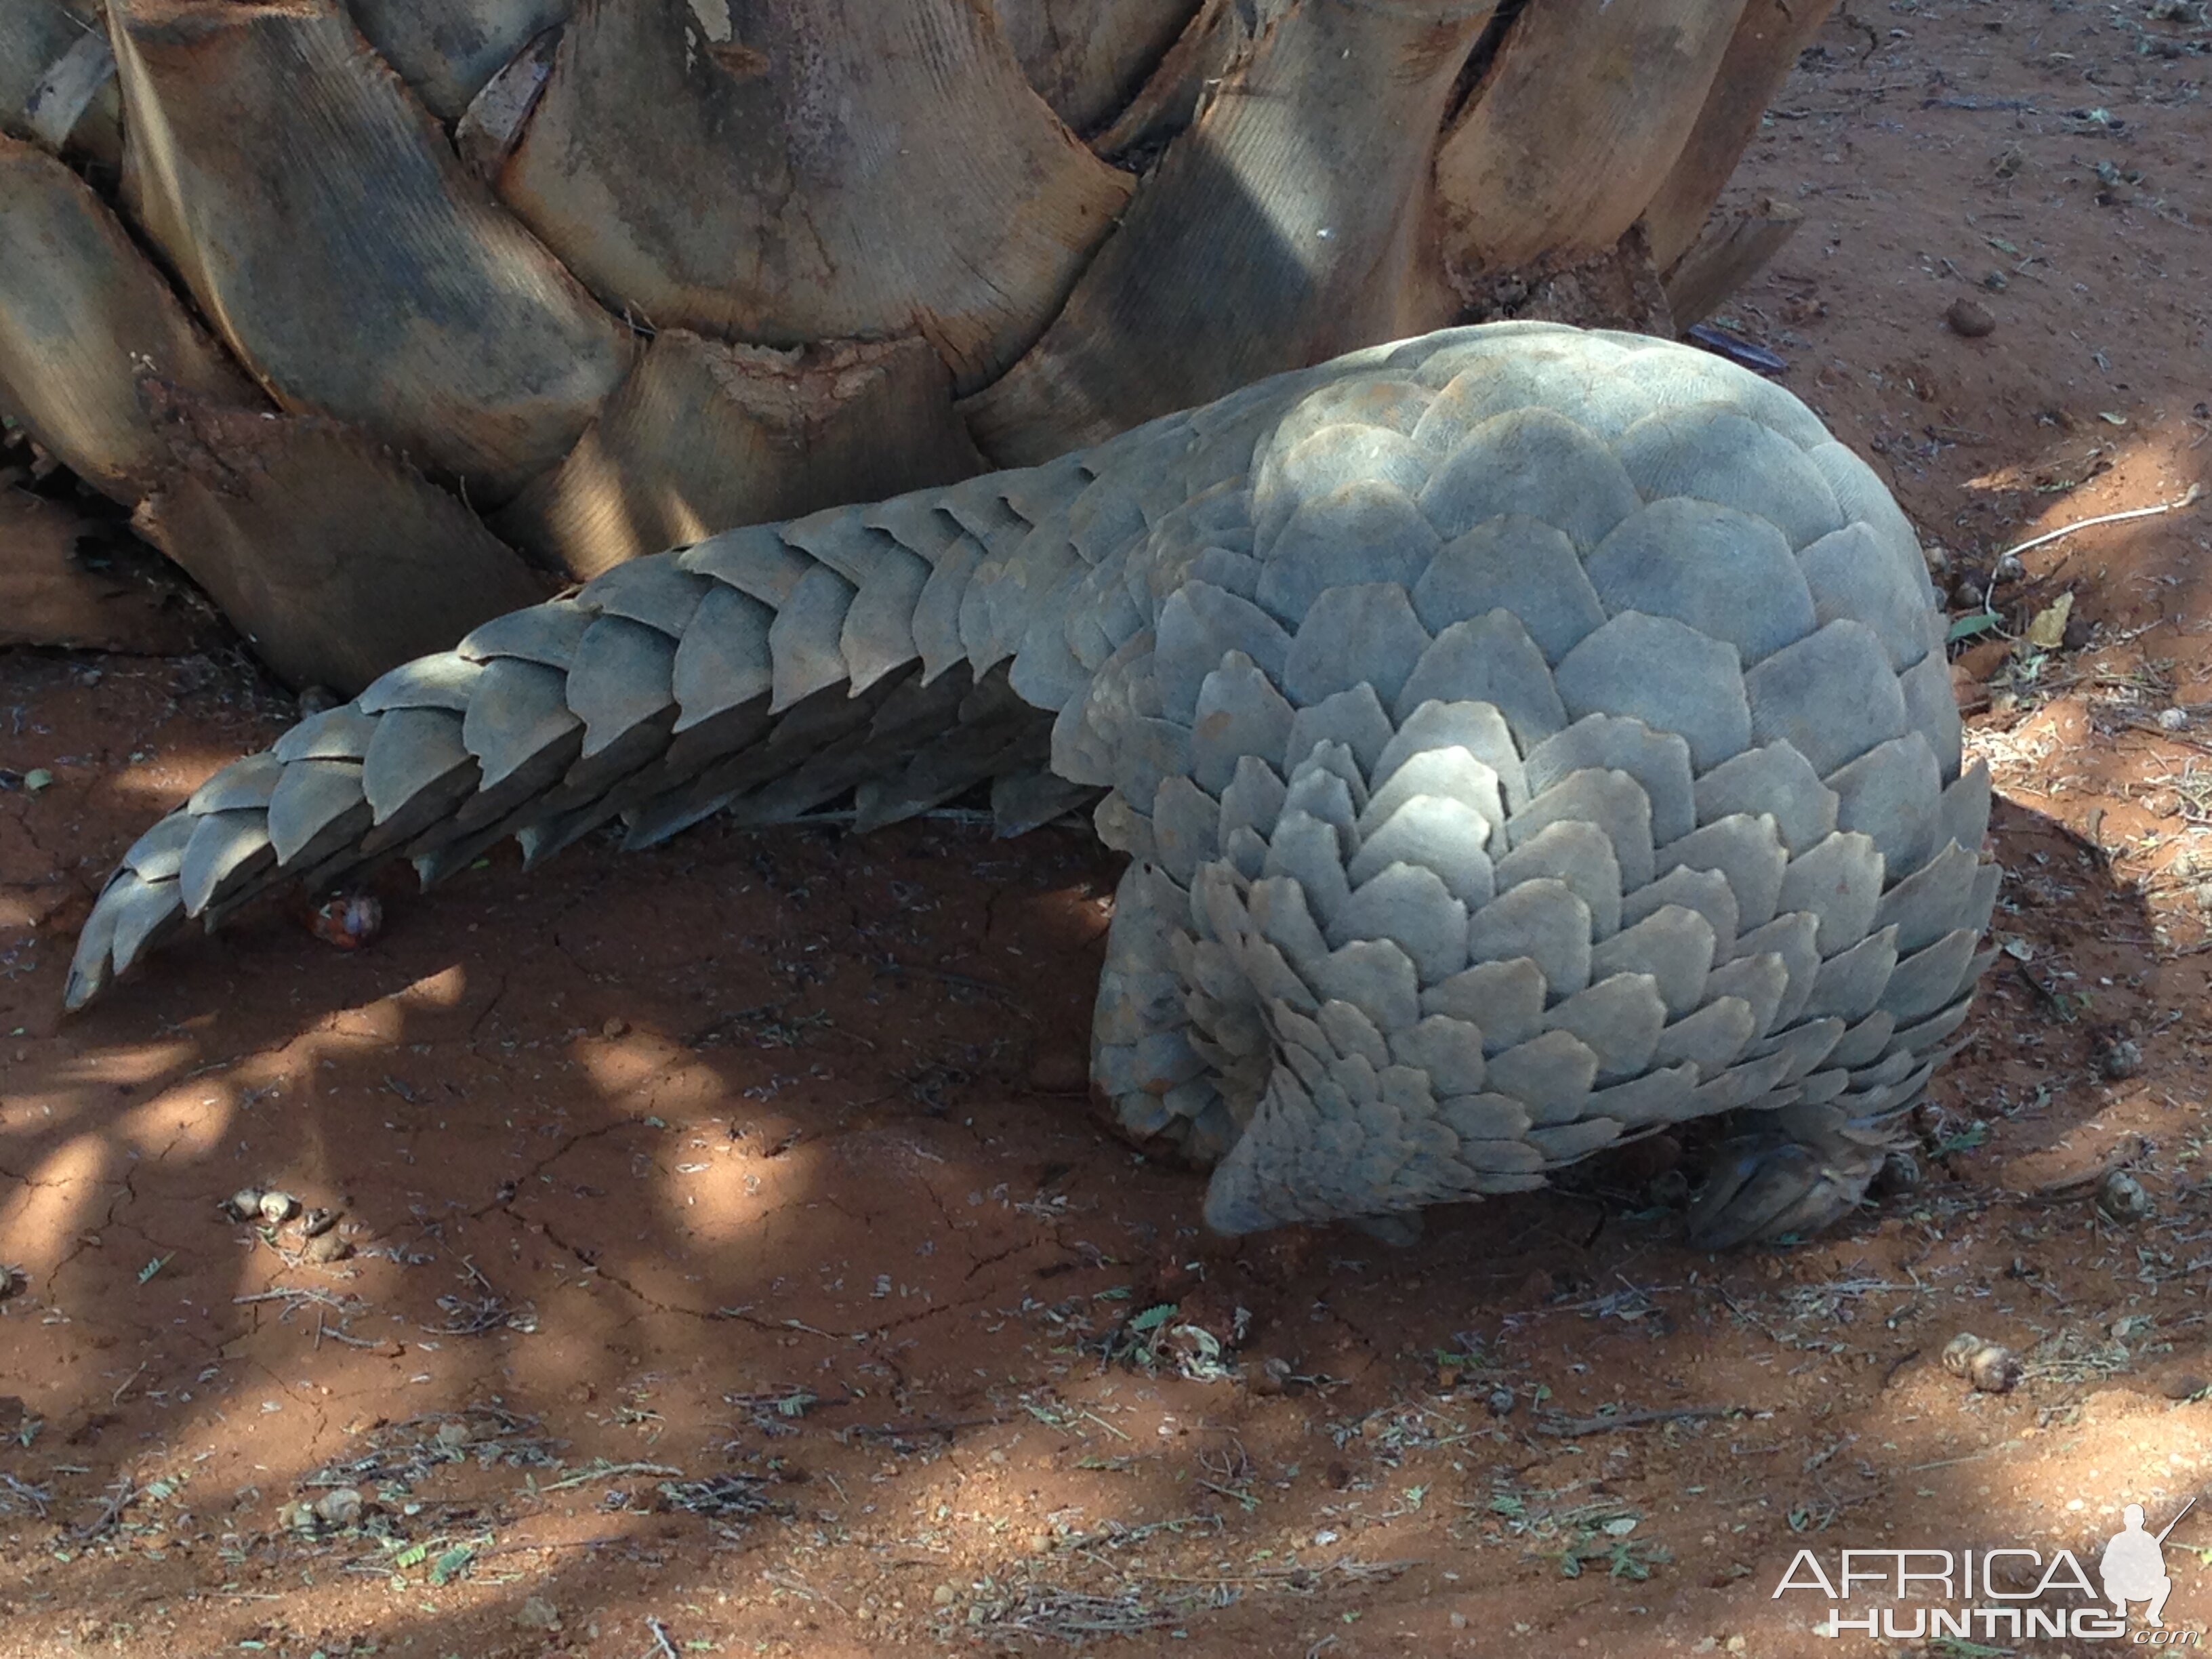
[735,1268]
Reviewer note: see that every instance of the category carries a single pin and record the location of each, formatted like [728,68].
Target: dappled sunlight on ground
[734,1265]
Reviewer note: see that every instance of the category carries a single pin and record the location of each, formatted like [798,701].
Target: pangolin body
[1524,738]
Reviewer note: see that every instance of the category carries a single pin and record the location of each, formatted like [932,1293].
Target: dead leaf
[2048,630]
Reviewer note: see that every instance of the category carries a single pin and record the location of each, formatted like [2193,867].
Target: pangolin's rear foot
[1789,1174]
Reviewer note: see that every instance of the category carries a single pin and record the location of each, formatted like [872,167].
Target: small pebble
[2187,1386]
[339,1508]
[535,1613]
[1969,318]
[1991,1367]
[2173,720]
[944,1596]
[616,1026]
[2121,1197]
[1501,1402]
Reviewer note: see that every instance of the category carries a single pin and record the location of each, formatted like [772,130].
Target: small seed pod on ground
[2121,1197]
[277,1208]
[1990,1366]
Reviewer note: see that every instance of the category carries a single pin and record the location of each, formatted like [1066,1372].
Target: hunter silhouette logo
[2134,1567]
[2010,1593]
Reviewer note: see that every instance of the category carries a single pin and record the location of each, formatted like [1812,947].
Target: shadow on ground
[731,1247]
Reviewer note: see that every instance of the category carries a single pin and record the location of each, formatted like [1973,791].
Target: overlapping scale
[1524,739]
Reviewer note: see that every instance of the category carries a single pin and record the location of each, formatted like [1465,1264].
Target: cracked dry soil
[735,1267]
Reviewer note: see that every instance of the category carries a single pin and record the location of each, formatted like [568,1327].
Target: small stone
[945,1595]
[277,1208]
[535,1613]
[1040,1543]
[2173,720]
[1969,318]
[1459,1621]
[1501,1402]
[453,1435]
[1271,1375]
[2121,1198]
[616,1026]
[1736,1644]
[340,1507]
[2187,1385]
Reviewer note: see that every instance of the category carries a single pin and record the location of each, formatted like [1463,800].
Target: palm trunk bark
[560,281]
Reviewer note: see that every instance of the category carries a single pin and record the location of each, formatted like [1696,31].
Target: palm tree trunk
[366,306]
